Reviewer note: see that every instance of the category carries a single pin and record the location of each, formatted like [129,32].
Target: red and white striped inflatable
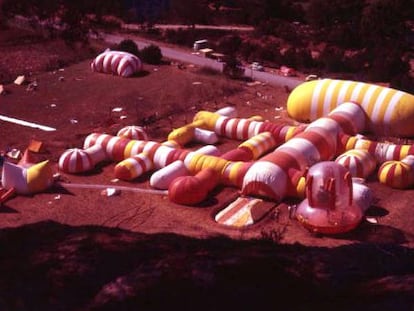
[116,62]
[133,132]
[75,161]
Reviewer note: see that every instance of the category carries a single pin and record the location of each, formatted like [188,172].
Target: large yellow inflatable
[389,111]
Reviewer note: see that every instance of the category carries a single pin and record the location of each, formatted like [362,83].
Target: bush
[151,54]
[386,63]
[128,45]
[229,44]
[403,82]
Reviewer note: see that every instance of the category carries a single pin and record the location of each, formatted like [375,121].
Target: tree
[233,68]
[321,13]
[128,45]
[403,82]
[188,12]
[151,54]
[332,59]
[386,64]
[229,44]
[384,21]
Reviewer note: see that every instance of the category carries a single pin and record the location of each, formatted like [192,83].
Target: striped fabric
[133,132]
[382,152]
[260,144]
[75,161]
[115,62]
[360,163]
[397,174]
[389,111]
[273,174]
[238,213]
[133,167]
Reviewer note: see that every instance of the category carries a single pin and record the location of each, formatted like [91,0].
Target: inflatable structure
[388,111]
[27,180]
[315,161]
[116,62]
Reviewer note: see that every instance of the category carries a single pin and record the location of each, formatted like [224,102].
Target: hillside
[77,249]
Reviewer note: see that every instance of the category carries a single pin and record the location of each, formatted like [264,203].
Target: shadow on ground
[49,266]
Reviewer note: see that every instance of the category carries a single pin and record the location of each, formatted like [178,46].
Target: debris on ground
[20,80]
[32,86]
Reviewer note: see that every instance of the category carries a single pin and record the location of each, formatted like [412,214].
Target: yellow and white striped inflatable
[389,111]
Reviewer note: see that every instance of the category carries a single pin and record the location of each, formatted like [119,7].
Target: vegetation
[151,54]
[369,38]
[128,45]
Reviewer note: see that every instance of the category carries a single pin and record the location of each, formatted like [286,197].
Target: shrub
[128,45]
[151,54]
[403,82]
[208,71]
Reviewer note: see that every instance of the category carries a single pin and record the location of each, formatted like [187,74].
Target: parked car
[257,66]
[287,71]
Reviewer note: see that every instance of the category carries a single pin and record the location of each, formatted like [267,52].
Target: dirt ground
[78,102]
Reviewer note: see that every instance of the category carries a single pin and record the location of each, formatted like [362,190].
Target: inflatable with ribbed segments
[388,111]
[116,62]
[274,161]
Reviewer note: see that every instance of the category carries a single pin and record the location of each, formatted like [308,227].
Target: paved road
[196,26]
[186,56]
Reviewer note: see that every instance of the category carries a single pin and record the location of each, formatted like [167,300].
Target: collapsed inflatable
[274,161]
[27,177]
[116,62]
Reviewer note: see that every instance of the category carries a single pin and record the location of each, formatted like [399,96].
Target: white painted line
[26,123]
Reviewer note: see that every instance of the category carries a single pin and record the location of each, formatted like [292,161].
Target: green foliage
[151,54]
[128,45]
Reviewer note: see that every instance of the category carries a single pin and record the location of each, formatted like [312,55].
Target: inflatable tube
[389,111]
[191,190]
[75,160]
[162,178]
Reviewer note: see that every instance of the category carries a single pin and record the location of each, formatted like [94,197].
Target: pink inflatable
[330,206]
[115,62]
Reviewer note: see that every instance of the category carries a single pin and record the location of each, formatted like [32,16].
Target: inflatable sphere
[329,207]
[75,161]
[389,111]
[133,132]
[360,163]
[116,62]
[397,174]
